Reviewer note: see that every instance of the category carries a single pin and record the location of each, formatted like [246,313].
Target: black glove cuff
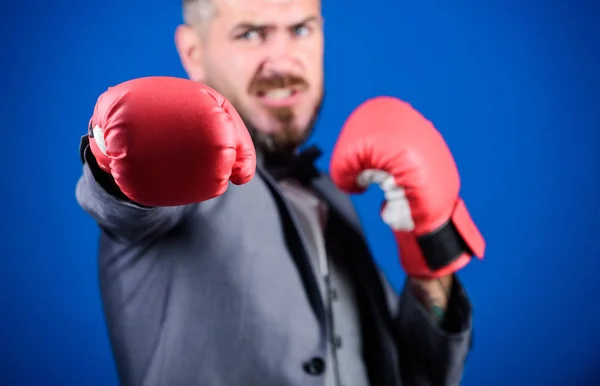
[104,179]
[442,246]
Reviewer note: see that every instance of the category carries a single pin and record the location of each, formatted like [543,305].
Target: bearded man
[227,259]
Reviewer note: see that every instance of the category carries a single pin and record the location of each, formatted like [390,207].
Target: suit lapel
[298,246]
[338,201]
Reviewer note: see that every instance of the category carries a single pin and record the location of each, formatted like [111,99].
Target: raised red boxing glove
[387,142]
[170,141]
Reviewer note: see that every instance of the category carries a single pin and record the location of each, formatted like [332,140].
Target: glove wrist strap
[445,250]
[442,246]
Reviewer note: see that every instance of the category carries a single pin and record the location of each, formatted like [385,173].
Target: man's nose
[281,58]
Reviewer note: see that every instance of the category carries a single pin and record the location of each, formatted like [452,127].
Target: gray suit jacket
[221,293]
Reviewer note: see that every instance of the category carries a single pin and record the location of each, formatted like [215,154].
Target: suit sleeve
[430,354]
[100,197]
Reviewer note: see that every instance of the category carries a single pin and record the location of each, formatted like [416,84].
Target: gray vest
[344,355]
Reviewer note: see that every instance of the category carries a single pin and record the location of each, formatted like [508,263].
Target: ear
[190,49]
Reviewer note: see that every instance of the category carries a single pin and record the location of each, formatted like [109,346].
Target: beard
[290,136]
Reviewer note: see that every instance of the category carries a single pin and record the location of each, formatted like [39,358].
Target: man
[268,281]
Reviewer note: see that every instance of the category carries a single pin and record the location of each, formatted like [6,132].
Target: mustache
[261,85]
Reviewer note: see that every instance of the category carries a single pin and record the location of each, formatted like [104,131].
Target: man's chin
[282,131]
[279,142]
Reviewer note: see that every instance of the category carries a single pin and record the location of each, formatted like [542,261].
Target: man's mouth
[279,97]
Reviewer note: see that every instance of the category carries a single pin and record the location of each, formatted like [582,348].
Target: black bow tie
[299,166]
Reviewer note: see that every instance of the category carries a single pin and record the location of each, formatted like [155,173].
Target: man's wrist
[434,294]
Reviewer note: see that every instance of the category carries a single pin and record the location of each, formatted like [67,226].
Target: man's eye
[301,30]
[251,35]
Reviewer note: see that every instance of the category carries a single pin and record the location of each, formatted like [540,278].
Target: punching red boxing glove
[170,141]
[387,142]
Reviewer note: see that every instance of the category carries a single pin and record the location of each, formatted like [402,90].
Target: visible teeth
[280,93]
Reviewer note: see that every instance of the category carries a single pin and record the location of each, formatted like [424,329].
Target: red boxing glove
[387,142]
[170,141]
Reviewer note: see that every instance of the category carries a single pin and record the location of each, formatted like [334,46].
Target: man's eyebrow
[245,25]
[306,20]
[248,25]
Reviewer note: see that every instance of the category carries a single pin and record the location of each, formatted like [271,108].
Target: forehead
[267,11]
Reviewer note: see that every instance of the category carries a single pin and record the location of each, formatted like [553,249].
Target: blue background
[512,85]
